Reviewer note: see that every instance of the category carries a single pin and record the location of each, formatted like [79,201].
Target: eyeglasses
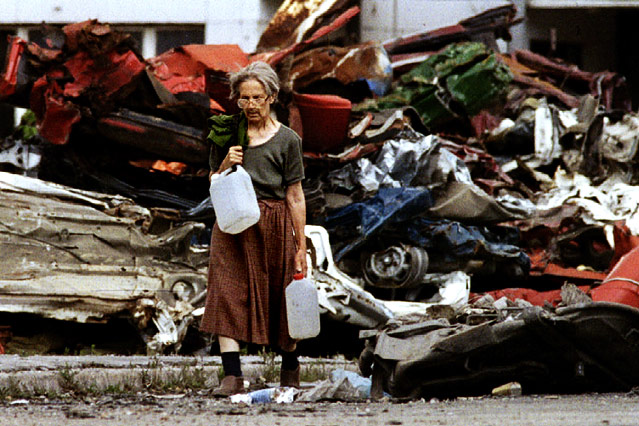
[257,101]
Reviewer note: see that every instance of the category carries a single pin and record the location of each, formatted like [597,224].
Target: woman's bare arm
[297,206]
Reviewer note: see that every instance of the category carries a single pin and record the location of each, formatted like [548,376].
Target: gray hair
[260,71]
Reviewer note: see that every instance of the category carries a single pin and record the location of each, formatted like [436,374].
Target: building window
[7,119]
[136,35]
[568,52]
[168,38]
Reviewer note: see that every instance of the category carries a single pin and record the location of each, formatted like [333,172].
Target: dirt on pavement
[200,409]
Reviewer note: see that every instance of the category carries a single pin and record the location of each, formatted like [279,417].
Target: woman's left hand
[300,261]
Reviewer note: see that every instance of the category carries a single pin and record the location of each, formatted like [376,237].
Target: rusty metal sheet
[494,21]
[96,38]
[296,19]
[94,63]
[527,78]
[276,56]
[609,87]
[366,61]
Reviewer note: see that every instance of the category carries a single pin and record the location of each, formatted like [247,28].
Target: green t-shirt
[273,165]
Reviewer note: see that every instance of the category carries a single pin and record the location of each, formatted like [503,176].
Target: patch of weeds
[12,390]
[220,374]
[91,350]
[314,372]
[115,390]
[67,380]
[191,378]
[155,363]
[150,377]
[271,369]
[48,393]
[187,378]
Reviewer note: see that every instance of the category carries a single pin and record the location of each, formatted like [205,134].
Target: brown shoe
[290,378]
[230,385]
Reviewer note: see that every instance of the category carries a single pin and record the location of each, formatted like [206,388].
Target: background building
[595,35]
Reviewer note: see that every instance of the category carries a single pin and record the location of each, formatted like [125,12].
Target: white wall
[111,11]
[386,19]
[226,21]
[238,22]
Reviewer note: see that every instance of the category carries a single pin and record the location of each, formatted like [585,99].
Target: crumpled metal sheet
[619,140]
[359,221]
[533,84]
[23,156]
[462,79]
[111,73]
[274,57]
[606,203]
[454,246]
[295,20]
[493,22]
[13,76]
[396,213]
[81,256]
[367,61]
[97,66]
[581,348]
[467,202]
[155,135]
[410,159]
[340,297]
[184,68]
[609,87]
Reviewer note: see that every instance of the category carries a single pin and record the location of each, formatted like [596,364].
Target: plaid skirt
[248,273]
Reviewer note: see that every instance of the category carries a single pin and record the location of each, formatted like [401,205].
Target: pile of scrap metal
[83,256]
[580,339]
[433,161]
[583,347]
[103,119]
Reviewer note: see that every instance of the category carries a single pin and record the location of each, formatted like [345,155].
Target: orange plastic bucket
[325,120]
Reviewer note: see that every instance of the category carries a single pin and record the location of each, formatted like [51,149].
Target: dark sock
[289,361]
[231,364]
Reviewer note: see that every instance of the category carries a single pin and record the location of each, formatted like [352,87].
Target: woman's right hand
[234,157]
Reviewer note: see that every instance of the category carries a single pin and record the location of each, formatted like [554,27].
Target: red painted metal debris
[183,69]
[622,283]
[9,79]
[109,74]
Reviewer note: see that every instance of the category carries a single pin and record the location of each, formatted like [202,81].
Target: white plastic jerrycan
[234,201]
[302,308]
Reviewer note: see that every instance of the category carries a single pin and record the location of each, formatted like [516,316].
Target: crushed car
[82,256]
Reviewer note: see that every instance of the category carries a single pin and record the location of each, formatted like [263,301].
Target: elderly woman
[248,272]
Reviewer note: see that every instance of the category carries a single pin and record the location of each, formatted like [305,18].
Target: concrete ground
[111,374]
[174,390]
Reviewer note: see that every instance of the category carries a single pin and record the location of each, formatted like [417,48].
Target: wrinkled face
[254,100]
